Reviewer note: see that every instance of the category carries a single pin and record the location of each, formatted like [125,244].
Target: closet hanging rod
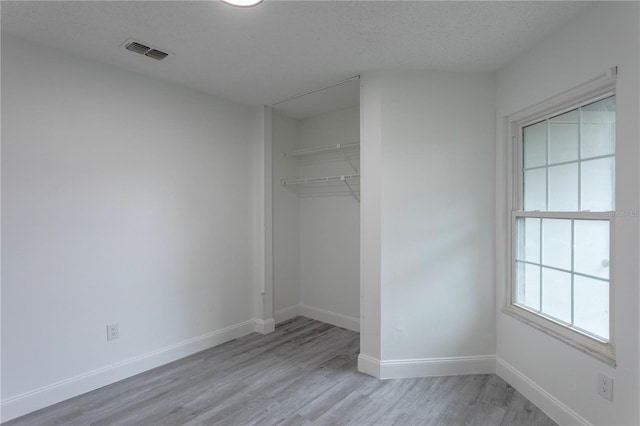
[302,181]
[320,149]
[355,77]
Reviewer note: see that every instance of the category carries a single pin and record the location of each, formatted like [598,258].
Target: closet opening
[316,205]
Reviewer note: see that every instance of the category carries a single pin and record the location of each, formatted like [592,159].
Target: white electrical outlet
[605,386]
[113,332]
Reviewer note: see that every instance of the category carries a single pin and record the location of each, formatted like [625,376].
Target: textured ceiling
[282,48]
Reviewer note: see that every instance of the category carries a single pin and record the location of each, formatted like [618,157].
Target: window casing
[562,204]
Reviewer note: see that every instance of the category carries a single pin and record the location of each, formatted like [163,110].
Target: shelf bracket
[346,157]
[351,190]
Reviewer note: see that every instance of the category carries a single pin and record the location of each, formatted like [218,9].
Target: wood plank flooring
[302,374]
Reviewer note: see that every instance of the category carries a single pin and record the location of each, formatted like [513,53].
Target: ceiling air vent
[142,49]
[138,48]
[156,54]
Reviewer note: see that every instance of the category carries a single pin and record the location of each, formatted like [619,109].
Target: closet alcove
[316,205]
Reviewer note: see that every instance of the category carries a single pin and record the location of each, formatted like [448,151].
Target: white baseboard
[551,406]
[369,365]
[265,326]
[344,321]
[427,367]
[287,313]
[334,318]
[432,367]
[36,399]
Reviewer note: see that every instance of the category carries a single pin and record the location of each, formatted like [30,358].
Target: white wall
[330,226]
[560,379]
[286,219]
[124,199]
[370,222]
[432,152]
[262,226]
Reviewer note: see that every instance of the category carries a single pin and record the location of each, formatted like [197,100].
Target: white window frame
[593,90]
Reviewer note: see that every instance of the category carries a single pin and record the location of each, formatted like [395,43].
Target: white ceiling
[262,55]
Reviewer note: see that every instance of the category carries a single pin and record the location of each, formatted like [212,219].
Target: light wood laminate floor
[302,374]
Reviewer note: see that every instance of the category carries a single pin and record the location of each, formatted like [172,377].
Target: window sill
[603,352]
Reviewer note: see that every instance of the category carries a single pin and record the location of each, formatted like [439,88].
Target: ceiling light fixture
[242,3]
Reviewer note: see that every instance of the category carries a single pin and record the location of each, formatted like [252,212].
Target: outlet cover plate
[605,386]
[113,331]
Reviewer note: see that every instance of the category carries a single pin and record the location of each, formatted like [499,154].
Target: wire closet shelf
[349,180]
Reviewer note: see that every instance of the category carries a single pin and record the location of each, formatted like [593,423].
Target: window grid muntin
[528,262]
[564,163]
[580,124]
[573,263]
[519,252]
[520,256]
[579,161]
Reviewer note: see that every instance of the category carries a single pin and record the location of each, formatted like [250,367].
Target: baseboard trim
[265,326]
[432,367]
[426,367]
[551,406]
[45,396]
[287,313]
[334,318]
[369,365]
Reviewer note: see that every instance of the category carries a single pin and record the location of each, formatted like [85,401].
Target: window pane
[528,239]
[556,243]
[535,189]
[591,247]
[563,137]
[535,145]
[602,111]
[528,285]
[598,128]
[596,179]
[591,311]
[597,139]
[563,188]
[556,294]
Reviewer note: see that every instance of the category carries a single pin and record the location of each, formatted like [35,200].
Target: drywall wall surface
[124,200]
[437,209]
[286,216]
[330,225]
[370,226]
[262,224]
[604,35]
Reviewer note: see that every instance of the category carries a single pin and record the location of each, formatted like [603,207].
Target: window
[562,204]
